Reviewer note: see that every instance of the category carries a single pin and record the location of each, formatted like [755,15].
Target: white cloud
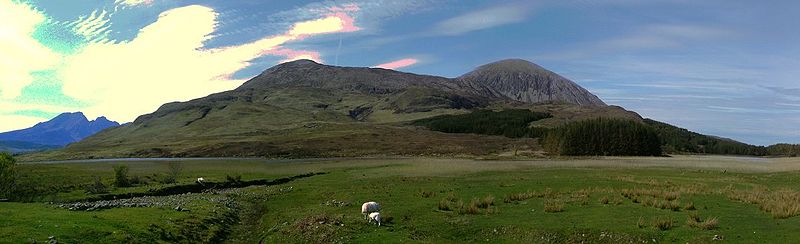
[134,2]
[95,26]
[167,62]
[21,53]
[664,36]
[483,19]
[16,122]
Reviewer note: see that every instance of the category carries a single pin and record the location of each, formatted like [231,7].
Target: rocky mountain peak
[524,81]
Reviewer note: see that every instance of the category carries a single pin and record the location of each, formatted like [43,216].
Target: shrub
[7,175]
[121,176]
[604,200]
[174,170]
[97,187]
[233,179]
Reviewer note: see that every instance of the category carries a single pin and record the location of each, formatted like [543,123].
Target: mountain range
[306,109]
[64,129]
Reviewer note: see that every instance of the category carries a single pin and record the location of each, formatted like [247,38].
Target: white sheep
[376,216]
[369,207]
[200,180]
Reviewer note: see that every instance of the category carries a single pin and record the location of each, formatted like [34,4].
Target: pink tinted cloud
[292,54]
[398,63]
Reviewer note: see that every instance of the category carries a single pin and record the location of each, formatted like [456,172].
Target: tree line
[679,140]
[513,123]
[603,137]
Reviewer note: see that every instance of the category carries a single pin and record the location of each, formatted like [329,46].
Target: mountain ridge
[306,109]
[61,130]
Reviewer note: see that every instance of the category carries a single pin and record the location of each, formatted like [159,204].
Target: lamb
[376,216]
[369,207]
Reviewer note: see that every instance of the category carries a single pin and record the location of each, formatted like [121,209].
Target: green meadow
[577,200]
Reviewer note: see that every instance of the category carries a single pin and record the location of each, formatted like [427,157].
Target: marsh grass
[689,206]
[516,197]
[641,223]
[695,221]
[604,200]
[783,203]
[486,202]
[452,203]
[663,223]
[553,205]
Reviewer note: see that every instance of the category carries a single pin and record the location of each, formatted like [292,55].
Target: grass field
[595,200]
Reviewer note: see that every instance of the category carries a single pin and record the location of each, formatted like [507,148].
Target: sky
[722,67]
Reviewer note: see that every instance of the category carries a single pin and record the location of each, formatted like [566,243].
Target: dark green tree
[7,175]
[121,176]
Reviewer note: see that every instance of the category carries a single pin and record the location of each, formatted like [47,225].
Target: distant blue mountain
[64,129]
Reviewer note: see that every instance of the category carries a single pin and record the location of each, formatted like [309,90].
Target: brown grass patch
[783,203]
[694,221]
[553,206]
[663,223]
[641,223]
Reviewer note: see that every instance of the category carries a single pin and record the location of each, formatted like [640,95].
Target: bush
[97,187]
[173,172]
[603,137]
[233,179]
[7,175]
[121,176]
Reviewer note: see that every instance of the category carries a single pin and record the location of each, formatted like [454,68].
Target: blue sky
[720,67]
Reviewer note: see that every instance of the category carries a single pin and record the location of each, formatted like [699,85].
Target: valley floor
[595,200]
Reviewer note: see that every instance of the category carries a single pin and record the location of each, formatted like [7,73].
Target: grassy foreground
[605,200]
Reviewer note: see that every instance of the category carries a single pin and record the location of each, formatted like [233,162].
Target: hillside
[306,109]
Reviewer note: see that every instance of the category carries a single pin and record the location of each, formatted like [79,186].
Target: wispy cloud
[94,27]
[484,19]
[21,53]
[134,2]
[397,64]
[167,61]
[665,36]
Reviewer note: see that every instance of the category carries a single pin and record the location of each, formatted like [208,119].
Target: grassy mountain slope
[305,109]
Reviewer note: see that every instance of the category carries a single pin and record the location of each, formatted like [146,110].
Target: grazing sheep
[369,207]
[376,216]
[200,180]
